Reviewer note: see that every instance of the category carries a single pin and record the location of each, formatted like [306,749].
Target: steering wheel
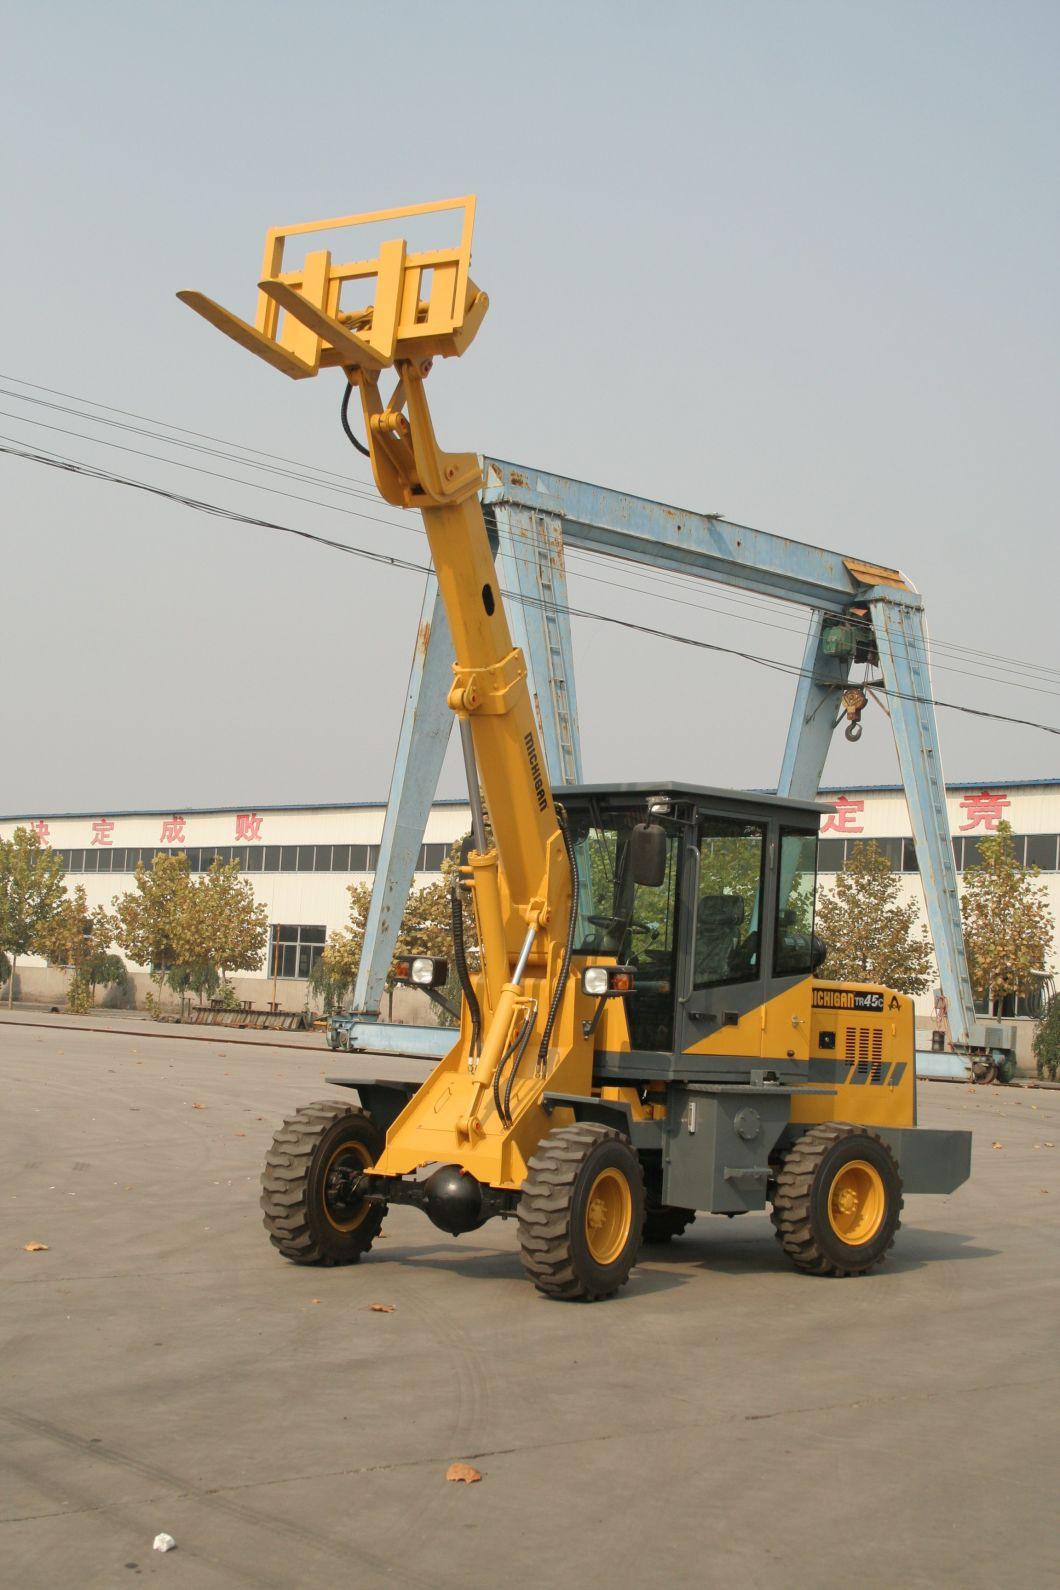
[618,921]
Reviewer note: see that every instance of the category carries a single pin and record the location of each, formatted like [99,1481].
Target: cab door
[722,959]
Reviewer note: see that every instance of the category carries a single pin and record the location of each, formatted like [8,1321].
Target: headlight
[601,981]
[423,971]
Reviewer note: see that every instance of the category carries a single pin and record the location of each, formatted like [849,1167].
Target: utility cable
[916,652]
[311,475]
[72,466]
[671,579]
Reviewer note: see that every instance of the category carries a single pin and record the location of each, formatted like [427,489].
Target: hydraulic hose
[568,948]
[516,1047]
[520,1049]
[463,973]
[344,416]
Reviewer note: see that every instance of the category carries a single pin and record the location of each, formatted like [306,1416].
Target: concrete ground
[723,1421]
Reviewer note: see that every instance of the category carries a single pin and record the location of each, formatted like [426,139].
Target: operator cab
[729,926]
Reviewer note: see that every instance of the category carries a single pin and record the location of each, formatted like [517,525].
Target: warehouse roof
[458,801]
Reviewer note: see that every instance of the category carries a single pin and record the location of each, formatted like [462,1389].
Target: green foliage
[191,934]
[201,979]
[31,889]
[1008,926]
[80,939]
[426,929]
[152,921]
[106,971]
[329,986]
[79,998]
[872,937]
[1047,1041]
[226,929]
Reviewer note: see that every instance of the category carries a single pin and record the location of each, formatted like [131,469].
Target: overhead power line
[1000,669]
[216,510]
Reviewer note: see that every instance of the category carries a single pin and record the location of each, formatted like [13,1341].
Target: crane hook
[854,703]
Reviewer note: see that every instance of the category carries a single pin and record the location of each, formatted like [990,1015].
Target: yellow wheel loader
[645,1037]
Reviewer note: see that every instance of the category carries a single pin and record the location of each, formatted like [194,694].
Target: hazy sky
[793,262]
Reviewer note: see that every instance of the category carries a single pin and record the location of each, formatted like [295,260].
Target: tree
[1047,1040]
[1008,926]
[872,937]
[193,977]
[426,929]
[79,939]
[31,889]
[152,921]
[227,929]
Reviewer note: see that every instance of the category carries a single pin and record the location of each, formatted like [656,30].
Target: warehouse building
[302,859]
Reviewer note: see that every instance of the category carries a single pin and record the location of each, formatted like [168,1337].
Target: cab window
[797,884]
[727,944]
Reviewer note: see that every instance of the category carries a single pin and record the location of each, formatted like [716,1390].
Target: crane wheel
[581,1213]
[312,1213]
[663,1222]
[837,1200]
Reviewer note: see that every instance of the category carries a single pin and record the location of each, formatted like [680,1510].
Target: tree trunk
[11,983]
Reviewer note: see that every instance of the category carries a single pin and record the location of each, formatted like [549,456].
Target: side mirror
[647,855]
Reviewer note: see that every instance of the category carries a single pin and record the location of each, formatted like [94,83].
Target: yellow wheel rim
[352,1157]
[608,1216]
[857,1202]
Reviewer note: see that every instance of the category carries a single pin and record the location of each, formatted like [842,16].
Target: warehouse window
[294,949]
[1041,851]
[830,855]
[272,858]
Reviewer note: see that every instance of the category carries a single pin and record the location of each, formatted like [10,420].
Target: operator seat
[718,923]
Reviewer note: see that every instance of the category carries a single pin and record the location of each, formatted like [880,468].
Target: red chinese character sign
[983,811]
[42,831]
[172,831]
[102,829]
[843,819]
[248,826]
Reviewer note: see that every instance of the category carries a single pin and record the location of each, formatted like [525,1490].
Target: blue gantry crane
[859,611]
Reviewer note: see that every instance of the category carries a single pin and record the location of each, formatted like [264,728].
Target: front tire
[308,1196]
[581,1213]
[837,1200]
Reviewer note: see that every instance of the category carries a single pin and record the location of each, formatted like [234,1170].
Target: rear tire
[837,1200]
[581,1213]
[315,1155]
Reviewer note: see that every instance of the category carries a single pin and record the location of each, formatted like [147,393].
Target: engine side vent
[863,1044]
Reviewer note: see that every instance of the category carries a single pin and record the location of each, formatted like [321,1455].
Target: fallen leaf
[995,1145]
[464,1472]
[314,1299]
[35,1247]
[1043,1190]
[381,1308]
[198,1106]
[1048,1145]
[240,1134]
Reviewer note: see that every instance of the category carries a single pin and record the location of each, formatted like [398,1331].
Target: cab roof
[701,794]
